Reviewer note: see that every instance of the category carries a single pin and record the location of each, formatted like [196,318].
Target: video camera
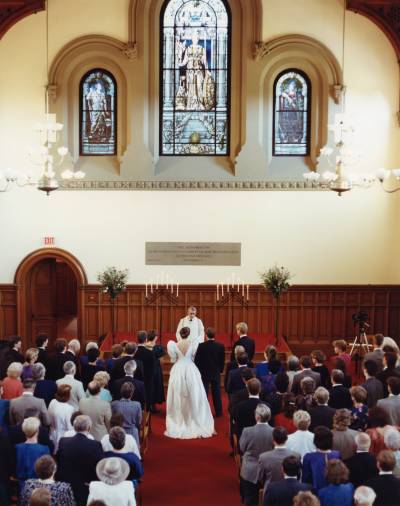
[361,318]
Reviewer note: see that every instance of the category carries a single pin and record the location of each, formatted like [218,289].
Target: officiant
[195,325]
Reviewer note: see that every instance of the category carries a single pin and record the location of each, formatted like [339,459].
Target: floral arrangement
[276,280]
[113,280]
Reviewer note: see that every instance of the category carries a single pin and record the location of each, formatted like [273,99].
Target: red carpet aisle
[196,472]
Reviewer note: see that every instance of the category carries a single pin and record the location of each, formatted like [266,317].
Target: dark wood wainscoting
[311,315]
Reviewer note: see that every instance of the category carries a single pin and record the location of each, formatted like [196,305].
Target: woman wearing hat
[112,488]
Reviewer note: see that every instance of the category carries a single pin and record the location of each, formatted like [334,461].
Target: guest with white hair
[12,384]
[392,442]
[77,391]
[362,465]
[139,393]
[301,441]
[364,496]
[233,364]
[73,349]
[45,388]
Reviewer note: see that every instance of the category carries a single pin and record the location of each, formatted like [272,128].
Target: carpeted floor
[197,472]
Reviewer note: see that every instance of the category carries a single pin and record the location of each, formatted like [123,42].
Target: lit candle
[238,285]
[217,292]
[247,292]
[166,281]
[151,286]
[147,293]
[177,290]
[222,289]
[243,290]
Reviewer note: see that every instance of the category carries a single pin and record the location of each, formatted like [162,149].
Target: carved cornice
[191,185]
[13,11]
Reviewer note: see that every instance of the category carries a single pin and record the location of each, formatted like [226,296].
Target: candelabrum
[233,295]
[161,296]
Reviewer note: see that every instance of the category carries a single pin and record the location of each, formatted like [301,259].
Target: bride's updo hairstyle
[184,332]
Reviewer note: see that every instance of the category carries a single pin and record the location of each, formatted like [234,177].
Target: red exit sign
[48,241]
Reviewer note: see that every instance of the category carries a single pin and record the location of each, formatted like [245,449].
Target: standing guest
[243,394]
[118,370]
[392,403]
[318,358]
[377,354]
[60,413]
[341,365]
[19,406]
[275,399]
[253,442]
[338,492]
[339,396]
[233,364]
[72,352]
[285,417]
[389,342]
[84,359]
[57,360]
[306,372]
[378,426]
[244,340]
[4,412]
[281,493]
[42,341]
[93,365]
[158,394]
[79,449]
[102,378]
[12,385]
[117,441]
[112,488]
[7,468]
[343,437]
[364,496]
[72,432]
[301,441]
[392,443]
[305,400]
[293,367]
[372,385]
[389,370]
[340,348]
[77,391]
[210,360]
[243,414]
[45,389]
[31,356]
[97,410]
[148,360]
[385,485]
[305,499]
[14,353]
[45,470]
[359,411]
[268,385]
[116,353]
[130,410]
[314,463]
[234,381]
[322,413]
[17,435]
[262,369]
[131,446]
[139,392]
[362,465]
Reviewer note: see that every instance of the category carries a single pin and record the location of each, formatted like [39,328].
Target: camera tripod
[361,342]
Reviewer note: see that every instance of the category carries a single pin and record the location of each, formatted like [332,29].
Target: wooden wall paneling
[8,311]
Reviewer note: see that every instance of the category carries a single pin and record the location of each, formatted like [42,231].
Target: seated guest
[340,349]
[234,382]
[314,463]
[116,353]
[158,394]
[40,497]
[343,437]
[339,396]
[322,413]
[244,340]
[28,401]
[241,395]
[341,365]
[99,411]
[113,487]
[131,446]
[306,372]
[253,442]
[139,393]
[281,493]
[130,410]
[243,414]
[392,443]
[60,413]
[77,391]
[83,359]
[93,365]
[389,370]
[102,378]
[293,367]
[7,468]
[79,449]
[45,389]
[233,364]
[301,441]
[305,499]
[372,385]
[338,492]
[359,411]
[377,354]
[45,469]
[117,441]
[362,465]
[27,453]
[385,485]
[364,496]
[318,358]
[31,356]
[391,405]
[42,342]
[305,400]
[12,385]
[270,462]
[378,426]
[285,417]
[57,360]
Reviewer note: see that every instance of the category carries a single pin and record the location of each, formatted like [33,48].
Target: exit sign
[48,241]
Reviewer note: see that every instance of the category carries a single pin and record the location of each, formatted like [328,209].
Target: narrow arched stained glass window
[195,77]
[292,102]
[98,113]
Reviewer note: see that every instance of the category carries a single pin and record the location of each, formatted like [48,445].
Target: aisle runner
[197,472]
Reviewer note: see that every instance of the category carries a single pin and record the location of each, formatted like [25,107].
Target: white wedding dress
[188,410]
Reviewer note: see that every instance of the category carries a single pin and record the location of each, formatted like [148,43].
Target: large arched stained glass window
[98,101]
[195,77]
[292,100]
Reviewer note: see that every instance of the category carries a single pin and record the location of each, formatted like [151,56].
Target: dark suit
[248,344]
[210,360]
[46,390]
[243,414]
[321,415]
[147,358]
[42,357]
[118,371]
[339,397]
[281,493]
[77,459]
[56,366]
[233,365]
[384,375]
[387,489]
[7,468]
[14,356]
[362,467]
[374,390]
[306,373]
[138,395]
[236,398]
[235,381]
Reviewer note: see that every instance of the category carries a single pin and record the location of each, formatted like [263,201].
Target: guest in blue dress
[45,389]
[338,492]
[359,411]
[314,463]
[84,359]
[263,368]
[4,409]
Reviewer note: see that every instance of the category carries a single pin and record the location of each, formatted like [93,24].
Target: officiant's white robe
[196,329]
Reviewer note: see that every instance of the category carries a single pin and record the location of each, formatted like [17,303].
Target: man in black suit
[235,381]
[243,414]
[147,358]
[210,360]
[244,340]
[56,361]
[14,353]
[118,372]
[281,493]
[372,385]
[362,465]
[385,485]
[77,458]
[233,364]
[72,354]
[389,370]
[321,414]
[139,393]
[42,342]
[241,395]
[339,396]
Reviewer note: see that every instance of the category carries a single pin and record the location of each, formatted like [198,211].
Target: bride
[188,411]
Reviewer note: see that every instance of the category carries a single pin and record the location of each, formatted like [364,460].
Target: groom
[194,324]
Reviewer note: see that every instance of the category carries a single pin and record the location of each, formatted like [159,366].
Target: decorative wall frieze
[130,50]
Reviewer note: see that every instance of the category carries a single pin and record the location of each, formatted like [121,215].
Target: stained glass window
[195,70]
[292,99]
[98,97]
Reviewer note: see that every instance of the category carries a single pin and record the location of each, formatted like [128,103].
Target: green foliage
[113,280]
[276,280]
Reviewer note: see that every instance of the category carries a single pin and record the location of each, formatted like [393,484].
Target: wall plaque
[193,253]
